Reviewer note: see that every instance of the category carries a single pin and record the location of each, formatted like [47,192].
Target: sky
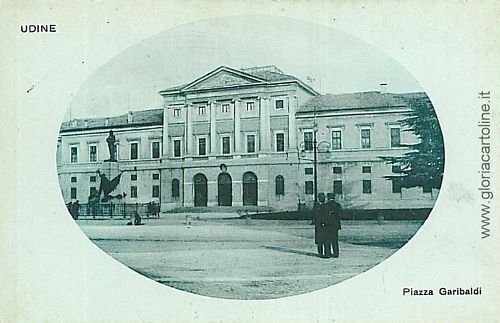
[337,62]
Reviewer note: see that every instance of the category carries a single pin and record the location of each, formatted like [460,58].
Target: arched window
[175,188]
[280,185]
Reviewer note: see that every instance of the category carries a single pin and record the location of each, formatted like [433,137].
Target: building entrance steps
[239,210]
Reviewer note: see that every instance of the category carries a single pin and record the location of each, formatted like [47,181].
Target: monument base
[110,169]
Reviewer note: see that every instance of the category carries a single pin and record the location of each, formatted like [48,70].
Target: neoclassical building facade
[239,138]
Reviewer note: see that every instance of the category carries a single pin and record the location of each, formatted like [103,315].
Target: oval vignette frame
[223,130]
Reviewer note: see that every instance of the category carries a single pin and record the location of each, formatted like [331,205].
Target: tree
[423,164]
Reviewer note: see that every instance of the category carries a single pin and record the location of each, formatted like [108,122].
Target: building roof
[224,76]
[138,118]
[359,100]
[268,73]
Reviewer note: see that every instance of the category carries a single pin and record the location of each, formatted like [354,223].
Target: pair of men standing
[326,227]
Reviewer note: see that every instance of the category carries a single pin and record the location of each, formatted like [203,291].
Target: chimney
[383,88]
[129,117]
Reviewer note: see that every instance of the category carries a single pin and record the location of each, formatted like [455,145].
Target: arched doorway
[225,189]
[250,189]
[200,190]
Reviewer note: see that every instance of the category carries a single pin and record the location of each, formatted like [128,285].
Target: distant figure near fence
[136,220]
[74,209]
[154,209]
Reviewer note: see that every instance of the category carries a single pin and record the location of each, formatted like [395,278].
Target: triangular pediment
[223,77]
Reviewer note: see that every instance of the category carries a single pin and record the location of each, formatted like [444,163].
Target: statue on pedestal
[111,140]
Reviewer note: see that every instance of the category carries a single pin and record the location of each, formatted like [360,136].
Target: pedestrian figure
[70,208]
[135,219]
[320,214]
[332,227]
[75,208]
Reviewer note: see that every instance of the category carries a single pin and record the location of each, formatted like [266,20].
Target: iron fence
[118,210]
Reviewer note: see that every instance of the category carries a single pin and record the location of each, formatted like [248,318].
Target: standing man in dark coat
[332,227]
[320,213]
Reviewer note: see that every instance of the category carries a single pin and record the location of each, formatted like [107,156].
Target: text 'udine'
[38,28]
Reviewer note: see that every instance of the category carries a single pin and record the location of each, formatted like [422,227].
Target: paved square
[239,259]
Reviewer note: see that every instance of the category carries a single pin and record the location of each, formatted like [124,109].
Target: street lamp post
[315,150]
[315,163]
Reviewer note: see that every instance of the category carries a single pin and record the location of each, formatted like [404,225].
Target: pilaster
[213,128]
[292,123]
[265,125]
[189,130]
[237,126]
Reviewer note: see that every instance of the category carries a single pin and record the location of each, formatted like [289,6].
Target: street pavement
[219,256]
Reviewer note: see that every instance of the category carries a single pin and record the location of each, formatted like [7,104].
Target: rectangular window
[250,106]
[73,193]
[156,190]
[92,153]
[337,187]
[177,148]
[395,137]
[175,188]
[133,177]
[367,186]
[224,108]
[226,145]
[93,191]
[337,170]
[280,142]
[74,154]
[155,149]
[134,150]
[177,113]
[365,138]
[93,179]
[250,143]
[308,170]
[396,185]
[133,192]
[202,146]
[202,109]
[73,179]
[279,104]
[308,141]
[366,169]
[156,176]
[336,139]
[309,187]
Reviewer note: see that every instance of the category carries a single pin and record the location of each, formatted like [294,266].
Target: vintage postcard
[241,161]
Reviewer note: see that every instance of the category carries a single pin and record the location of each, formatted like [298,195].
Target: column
[292,123]
[189,131]
[265,125]
[213,128]
[165,145]
[237,127]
